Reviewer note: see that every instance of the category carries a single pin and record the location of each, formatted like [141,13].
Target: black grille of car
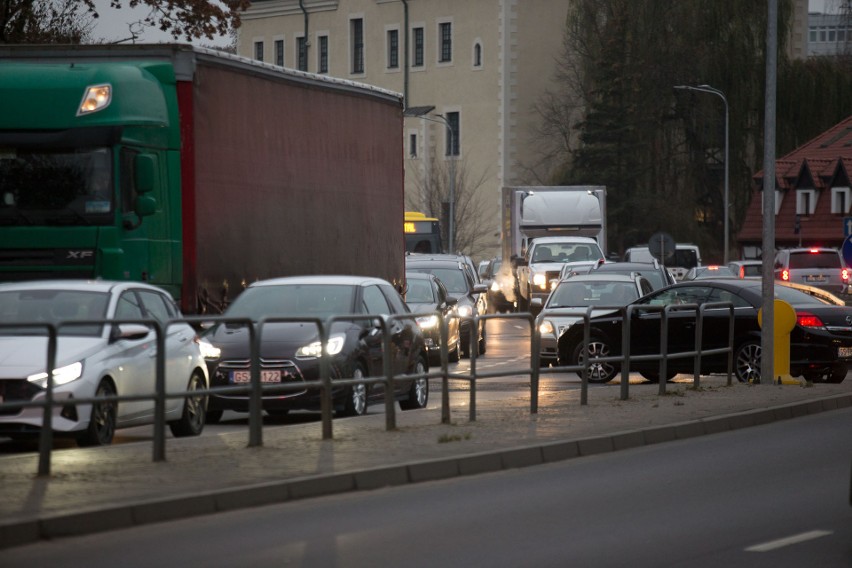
[551,275]
[16,390]
[290,374]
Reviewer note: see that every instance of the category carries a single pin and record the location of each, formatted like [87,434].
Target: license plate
[844,352]
[815,278]
[266,376]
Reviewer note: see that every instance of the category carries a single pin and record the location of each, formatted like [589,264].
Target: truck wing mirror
[145,168]
[145,206]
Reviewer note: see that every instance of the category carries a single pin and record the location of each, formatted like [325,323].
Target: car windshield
[53,306]
[654,276]
[571,294]
[566,252]
[453,278]
[63,187]
[282,300]
[818,259]
[419,292]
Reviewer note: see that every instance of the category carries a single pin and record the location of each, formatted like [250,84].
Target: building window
[412,145]
[812,35]
[357,34]
[446,30]
[419,45]
[453,134]
[477,55]
[301,54]
[840,200]
[322,63]
[258,50]
[805,201]
[279,52]
[393,49]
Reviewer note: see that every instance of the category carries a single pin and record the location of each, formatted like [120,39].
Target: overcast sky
[114,25]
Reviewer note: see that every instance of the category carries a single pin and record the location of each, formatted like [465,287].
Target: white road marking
[782,542]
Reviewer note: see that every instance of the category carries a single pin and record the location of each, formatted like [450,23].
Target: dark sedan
[425,294]
[290,352]
[820,342]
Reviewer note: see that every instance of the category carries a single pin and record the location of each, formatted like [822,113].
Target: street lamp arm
[714,91]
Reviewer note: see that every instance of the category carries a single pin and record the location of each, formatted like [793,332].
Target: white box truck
[531,212]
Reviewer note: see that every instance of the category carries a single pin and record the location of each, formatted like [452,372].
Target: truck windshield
[56,187]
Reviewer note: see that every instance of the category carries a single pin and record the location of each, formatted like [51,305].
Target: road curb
[27,531]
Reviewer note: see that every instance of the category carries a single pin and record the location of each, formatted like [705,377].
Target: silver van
[684,258]
[821,267]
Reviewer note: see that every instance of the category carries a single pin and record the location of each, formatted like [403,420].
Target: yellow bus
[422,233]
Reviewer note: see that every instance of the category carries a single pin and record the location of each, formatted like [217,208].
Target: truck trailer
[193,170]
[531,212]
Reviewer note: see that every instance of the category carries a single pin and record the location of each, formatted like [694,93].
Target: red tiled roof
[822,163]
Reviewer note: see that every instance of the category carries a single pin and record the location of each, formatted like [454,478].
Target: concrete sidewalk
[98,489]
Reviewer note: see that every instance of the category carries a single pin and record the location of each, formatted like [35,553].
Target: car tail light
[742,271]
[844,274]
[785,275]
[805,319]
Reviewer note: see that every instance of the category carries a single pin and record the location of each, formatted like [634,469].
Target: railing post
[255,400]
[730,342]
[664,349]
[699,338]
[160,395]
[474,351]
[326,406]
[45,446]
[535,364]
[445,373]
[584,379]
[625,351]
[387,366]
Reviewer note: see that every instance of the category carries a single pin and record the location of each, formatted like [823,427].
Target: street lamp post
[720,94]
[422,112]
[451,228]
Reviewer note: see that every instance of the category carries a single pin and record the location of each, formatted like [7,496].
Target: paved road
[764,497]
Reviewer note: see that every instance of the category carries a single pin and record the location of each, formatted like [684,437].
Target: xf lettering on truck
[79,254]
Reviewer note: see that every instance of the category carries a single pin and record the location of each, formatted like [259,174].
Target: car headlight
[335,346]
[546,328]
[209,351]
[465,311]
[61,376]
[540,280]
[427,322]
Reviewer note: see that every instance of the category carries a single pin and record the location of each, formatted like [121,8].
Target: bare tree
[472,233]
[70,21]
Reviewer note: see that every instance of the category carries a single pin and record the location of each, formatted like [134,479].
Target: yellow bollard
[785,321]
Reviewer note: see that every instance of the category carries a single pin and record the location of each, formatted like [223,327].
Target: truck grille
[35,264]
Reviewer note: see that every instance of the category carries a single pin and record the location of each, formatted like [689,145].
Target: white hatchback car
[96,359]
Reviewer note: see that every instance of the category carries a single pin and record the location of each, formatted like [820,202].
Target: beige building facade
[480,65]
[476,68]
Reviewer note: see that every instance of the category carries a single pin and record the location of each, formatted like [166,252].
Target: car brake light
[805,319]
[785,274]
[814,251]
[844,274]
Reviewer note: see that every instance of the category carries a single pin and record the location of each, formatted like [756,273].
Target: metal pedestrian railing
[325,384]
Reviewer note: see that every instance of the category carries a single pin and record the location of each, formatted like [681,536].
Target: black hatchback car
[461,282]
[290,352]
[426,295]
[820,342]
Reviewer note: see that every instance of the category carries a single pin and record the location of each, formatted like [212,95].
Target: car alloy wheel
[356,398]
[102,423]
[418,393]
[599,372]
[192,420]
[747,362]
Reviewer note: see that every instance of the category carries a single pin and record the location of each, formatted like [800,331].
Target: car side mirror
[480,288]
[451,301]
[536,303]
[129,331]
